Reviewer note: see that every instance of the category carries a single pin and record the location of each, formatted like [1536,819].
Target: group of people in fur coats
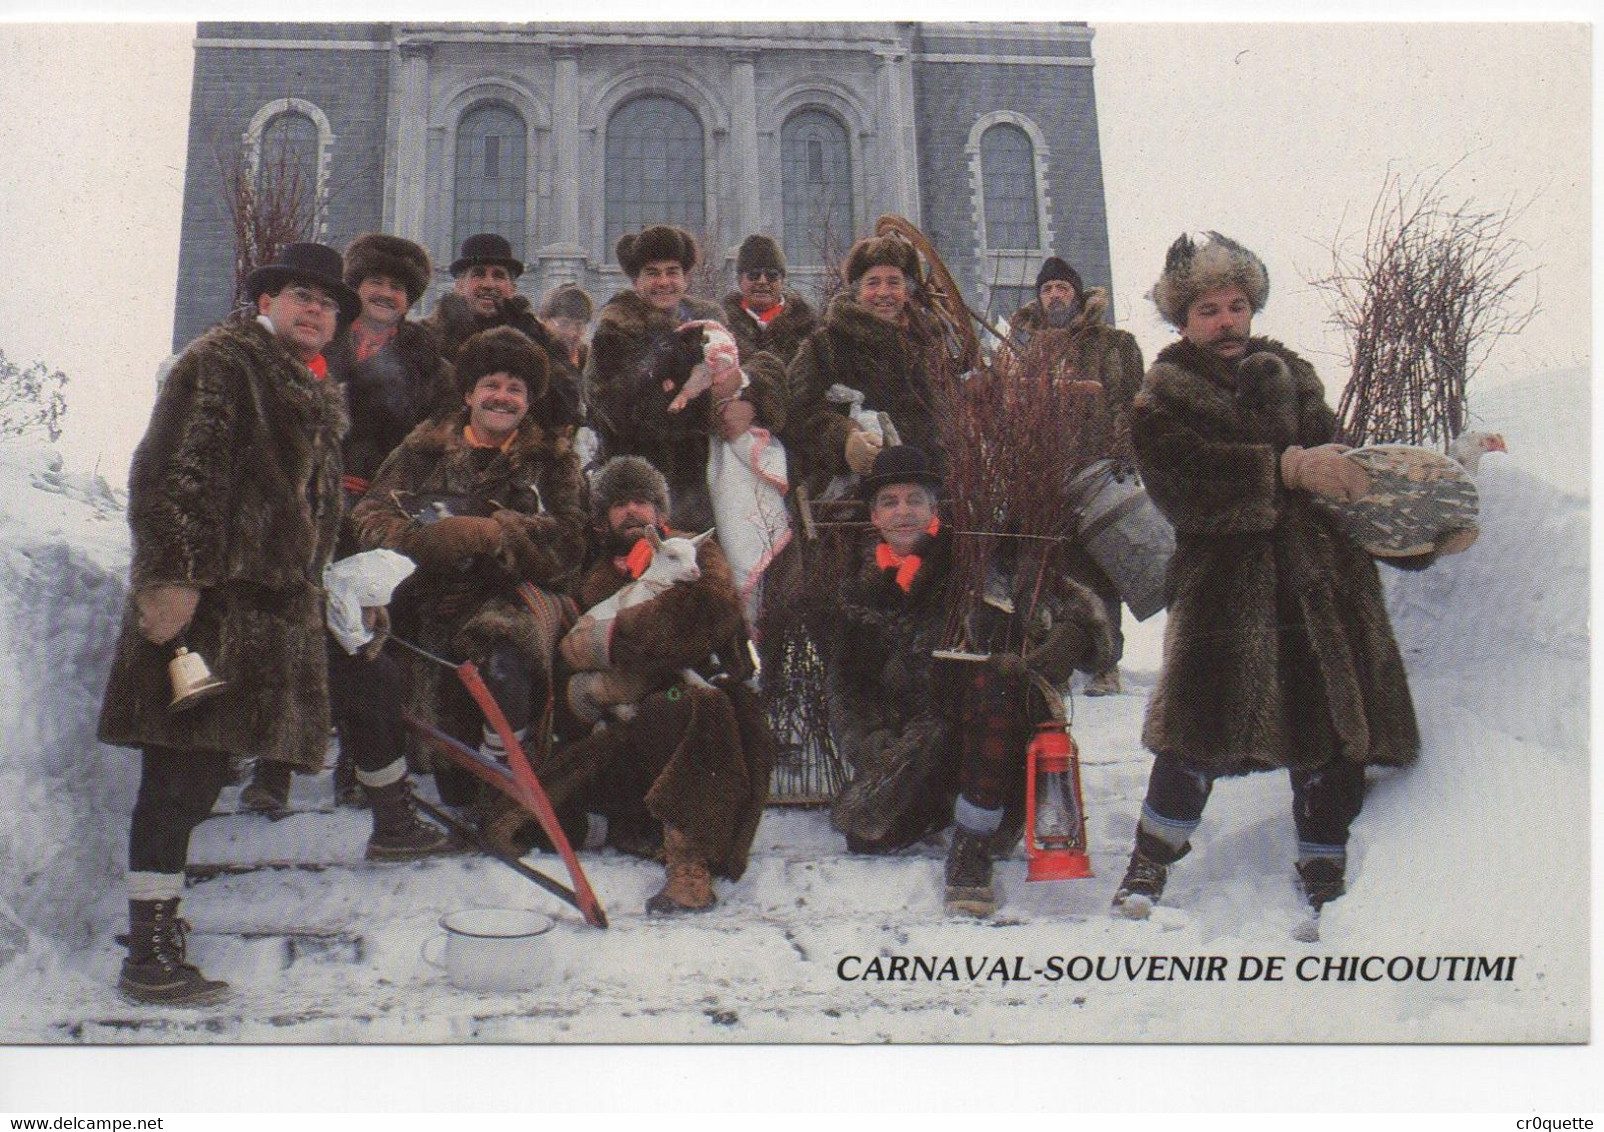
[1278,651]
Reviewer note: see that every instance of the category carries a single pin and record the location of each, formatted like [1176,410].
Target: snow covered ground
[1480,851]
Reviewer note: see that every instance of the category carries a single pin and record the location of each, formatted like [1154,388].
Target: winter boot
[1145,875]
[689,887]
[347,790]
[969,889]
[269,789]
[399,834]
[1104,683]
[1322,881]
[155,971]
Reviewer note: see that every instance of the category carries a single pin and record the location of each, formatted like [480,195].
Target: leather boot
[689,887]
[155,971]
[399,833]
[969,887]
[269,789]
[1146,875]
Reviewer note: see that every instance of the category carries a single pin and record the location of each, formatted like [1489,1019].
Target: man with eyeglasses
[764,315]
[234,504]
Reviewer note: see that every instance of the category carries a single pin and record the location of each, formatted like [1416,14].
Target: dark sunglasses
[764,275]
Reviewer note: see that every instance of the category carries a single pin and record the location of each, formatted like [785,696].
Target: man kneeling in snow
[690,770]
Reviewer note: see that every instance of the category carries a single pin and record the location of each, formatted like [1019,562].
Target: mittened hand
[165,611]
[861,449]
[375,619]
[443,543]
[1324,471]
[1456,542]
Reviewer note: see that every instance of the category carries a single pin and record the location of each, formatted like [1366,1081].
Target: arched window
[491,186]
[1008,181]
[815,187]
[655,169]
[287,164]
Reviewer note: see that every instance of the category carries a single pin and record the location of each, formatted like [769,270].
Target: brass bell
[192,679]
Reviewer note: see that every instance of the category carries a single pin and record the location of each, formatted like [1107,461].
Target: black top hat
[902,463]
[486,248]
[315,264]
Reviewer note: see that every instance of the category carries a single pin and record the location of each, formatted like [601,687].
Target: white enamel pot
[493,949]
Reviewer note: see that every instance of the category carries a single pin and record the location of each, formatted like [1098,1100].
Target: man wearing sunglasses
[763,314]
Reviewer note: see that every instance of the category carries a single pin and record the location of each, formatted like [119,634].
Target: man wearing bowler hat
[483,296]
[234,504]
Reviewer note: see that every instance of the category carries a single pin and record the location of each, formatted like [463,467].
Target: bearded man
[628,387]
[873,340]
[688,775]
[484,295]
[1278,653]
[1066,329]
[228,558]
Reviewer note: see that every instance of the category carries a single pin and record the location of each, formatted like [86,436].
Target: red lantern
[1055,820]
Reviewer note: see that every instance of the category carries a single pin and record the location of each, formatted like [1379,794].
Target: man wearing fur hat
[763,314]
[690,770]
[1278,652]
[876,341]
[483,500]
[484,295]
[228,558]
[1065,329]
[394,377]
[630,379]
[934,743]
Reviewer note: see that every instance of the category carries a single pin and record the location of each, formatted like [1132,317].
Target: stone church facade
[561,136]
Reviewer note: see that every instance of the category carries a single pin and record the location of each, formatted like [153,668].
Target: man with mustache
[484,295]
[394,377]
[234,505]
[1278,652]
[1066,329]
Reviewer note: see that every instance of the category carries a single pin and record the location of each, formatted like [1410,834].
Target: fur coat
[235,490]
[888,363]
[629,347]
[1088,349]
[390,394]
[454,321]
[698,759]
[535,491]
[1278,651]
[781,337]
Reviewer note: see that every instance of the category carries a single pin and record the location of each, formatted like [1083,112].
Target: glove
[861,449]
[588,645]
[733,418]
[165,611]
[1324,471]
[1008,666]
[376,619]
[592,694]
[1457,541]
[442,544]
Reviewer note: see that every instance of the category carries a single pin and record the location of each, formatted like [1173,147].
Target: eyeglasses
[763,275]
[315,299]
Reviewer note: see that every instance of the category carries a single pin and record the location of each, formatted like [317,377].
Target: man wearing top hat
[483,296]
[234,504]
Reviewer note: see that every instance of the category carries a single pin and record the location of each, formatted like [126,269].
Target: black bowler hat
[489,249]
[315,264]
[902,463]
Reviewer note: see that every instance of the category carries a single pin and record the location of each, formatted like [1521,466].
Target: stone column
[563,259]
[899,162]
[748,203]
[411,142]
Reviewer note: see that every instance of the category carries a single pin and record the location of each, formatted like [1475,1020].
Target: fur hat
[376,253]
[878,251]
[758,252]
[622,479]
[503,350]
[315,264]
[660,241]
[489,249]
[1192,269]
[900,463]
[1055,268]
[568,301]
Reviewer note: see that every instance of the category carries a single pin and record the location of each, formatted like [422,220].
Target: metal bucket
[494,949]
[1125,535]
